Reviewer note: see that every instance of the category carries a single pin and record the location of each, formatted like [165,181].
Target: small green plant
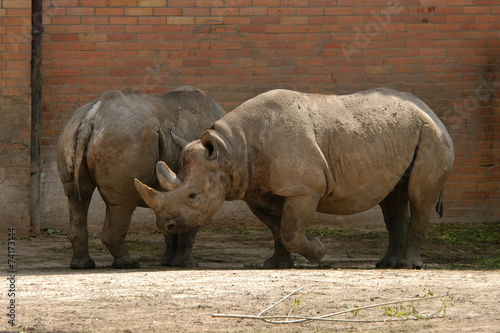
[53,231]
[402,311]
[296,304]
[356,312]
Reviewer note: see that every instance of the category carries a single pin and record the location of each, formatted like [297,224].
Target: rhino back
[128,132]
[351,149]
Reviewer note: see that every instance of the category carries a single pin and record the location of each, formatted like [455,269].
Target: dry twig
[301,319]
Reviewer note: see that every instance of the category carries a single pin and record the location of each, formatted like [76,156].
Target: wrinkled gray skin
[289,154]
[119,136]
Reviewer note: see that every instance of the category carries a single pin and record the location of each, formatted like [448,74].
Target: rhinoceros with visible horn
[289,154]
[119,136]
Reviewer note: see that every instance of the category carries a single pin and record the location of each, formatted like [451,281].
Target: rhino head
[194,195]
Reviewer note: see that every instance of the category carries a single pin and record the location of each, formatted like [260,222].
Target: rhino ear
[210,143]
[178,140]
[167,178]
[151,197]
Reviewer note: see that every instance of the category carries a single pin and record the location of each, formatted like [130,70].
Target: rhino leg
[298,211]
[397,217]
[78,233]
[78,209]
[114,232]
[281,257]
[178,252]
[432,166]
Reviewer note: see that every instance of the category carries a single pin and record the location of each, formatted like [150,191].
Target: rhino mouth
[170,225]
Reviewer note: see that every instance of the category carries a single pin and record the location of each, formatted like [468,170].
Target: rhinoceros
[108,142]
[289,154]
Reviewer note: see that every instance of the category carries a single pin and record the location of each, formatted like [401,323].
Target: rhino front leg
[298,212]
[281,257]
[178,251]
[114,232]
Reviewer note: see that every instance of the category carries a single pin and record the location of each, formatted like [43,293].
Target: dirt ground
[50,297]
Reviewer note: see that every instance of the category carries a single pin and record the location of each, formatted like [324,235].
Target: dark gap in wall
[36,110]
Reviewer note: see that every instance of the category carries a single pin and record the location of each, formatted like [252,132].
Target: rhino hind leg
[432,167]
[114,232]
[78,233]
[281,257]
[397,217]
[78,209]
[179,250]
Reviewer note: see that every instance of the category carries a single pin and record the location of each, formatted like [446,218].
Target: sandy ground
[52,298]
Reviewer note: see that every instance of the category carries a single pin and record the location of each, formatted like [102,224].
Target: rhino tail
[439,205]
[82,138]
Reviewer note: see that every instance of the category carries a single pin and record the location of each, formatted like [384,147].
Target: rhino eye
[194,197]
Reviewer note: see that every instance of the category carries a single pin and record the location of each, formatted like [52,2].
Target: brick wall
[15,114]
[447,52]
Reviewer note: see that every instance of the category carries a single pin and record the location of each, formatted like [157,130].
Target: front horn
[151,197]
[167,178]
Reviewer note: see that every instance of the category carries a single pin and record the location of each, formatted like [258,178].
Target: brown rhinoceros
[289,154]
[119,136]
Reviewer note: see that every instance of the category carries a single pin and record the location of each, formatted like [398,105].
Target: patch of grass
[238,231]
[52,231]
[322,232]
[465,233]
[64,249]
[489,263]
[145,246]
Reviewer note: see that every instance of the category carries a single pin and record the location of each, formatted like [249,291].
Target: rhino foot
[171,259]
[410,263]
[182,262]
[125,262]
[168,258]
[85,263]
[387,262]
[278,262]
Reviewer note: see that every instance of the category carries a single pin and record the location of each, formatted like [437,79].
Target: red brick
[253,11]
[110,29]
[81,28]
[80,11]
[138,11]
[110,11]
[123,3]
[123,20]
[94,3]
[85,46]
[16,3]
[152,3]
[196,62]
[63,37]
[167,11]
[460,19]
[94,20]
[210,3]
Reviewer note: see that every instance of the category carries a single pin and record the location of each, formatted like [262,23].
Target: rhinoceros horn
[178,140]
[167,178]
[151,197]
